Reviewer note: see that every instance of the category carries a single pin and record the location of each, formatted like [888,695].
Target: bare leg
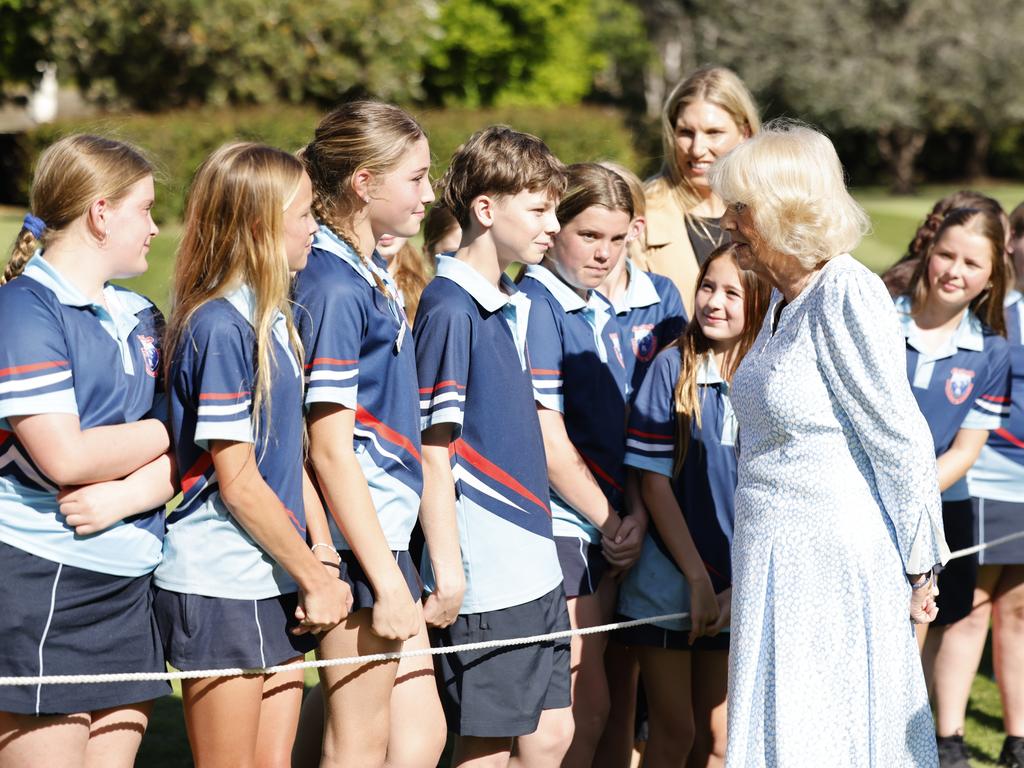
[590,701]
[710,687]
[546,746]
[279,718]
[115,735]
[623,672]
[222,716]
[667,680]
[951,657]
[59,741]
[358,698]
[481,752]
[1008,646]
[418,731]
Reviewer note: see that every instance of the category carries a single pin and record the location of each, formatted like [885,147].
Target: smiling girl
[959,367]
[682,440]
[579,380]
[370,165]
[705,116]
[83,467]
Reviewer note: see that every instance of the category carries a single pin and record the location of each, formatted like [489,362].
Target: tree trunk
[899,147]
[977,161]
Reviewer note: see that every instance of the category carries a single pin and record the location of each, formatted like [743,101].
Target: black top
[705,235]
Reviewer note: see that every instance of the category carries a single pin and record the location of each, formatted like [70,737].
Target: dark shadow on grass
[165,744]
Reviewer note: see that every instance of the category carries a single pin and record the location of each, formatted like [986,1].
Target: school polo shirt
[213,376]
[61,353]
[651,316]
[578,369]
[963,385]
[473,361]
[999,471]
[359,355]
[706,485]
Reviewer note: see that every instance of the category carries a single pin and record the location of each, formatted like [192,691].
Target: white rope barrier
[124,677]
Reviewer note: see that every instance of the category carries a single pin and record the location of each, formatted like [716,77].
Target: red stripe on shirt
[1008,437]
[544,372]
[196,473]
[33,367]
[329,361]
[600,472]
[223,395]
[363,416]
[651,435]
[995,398]
[442,385]
[495,472]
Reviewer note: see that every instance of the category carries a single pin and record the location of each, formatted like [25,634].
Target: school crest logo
[959,385]
[645,345]
[150,354]
[617,347]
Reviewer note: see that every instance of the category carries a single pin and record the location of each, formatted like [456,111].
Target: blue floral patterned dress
[837,500]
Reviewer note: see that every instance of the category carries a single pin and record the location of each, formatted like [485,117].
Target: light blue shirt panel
[640,291]
[506,579]
[968,335]
[996,477]
[654,587]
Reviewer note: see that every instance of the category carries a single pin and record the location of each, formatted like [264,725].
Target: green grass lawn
[894,221]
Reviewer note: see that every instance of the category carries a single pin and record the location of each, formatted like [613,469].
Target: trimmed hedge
[178,141]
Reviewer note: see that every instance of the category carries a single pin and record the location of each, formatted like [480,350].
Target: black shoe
[1012,755]
[952,752]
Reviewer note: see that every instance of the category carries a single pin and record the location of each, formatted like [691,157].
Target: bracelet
[923,583]
[325,546]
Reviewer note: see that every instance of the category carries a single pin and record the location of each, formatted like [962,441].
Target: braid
[325,213]
[24,247]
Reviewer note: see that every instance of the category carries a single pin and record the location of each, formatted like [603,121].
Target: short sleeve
[544,342]
[331,324]
[992,404]
[651,436]
[220,373]
[35,362]
[673,318]
[443,338]
[861,352]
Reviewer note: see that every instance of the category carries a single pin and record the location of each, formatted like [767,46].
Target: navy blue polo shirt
[999,471]
[473,363]
[706,485]
[579,369]
[359,355]
[963,385]
[651,316]
[213,374]
[61,353]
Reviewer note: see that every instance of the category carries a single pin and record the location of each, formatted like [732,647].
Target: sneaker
[1012,755]
[952,752]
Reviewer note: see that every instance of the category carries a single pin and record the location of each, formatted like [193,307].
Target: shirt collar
[640,290]
[1012,297]
[708,373]
[44,273]
[566,296]
[475,284]
[326,240]
[243,300]
[968,334]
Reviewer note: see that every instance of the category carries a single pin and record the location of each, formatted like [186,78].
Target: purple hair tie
[35,225]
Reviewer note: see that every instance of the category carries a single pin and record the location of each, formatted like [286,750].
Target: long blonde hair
[358,135]
[233,235]
[719,86]
[694,347]
[71,175]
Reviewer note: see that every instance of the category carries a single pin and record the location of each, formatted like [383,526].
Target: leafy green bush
[179,141]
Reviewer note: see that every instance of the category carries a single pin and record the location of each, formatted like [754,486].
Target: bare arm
[260,512]
[961,455]
[395,613]
[570,476]
[93,508]
[623,550]
[671,526]
[440,528]
[70,455]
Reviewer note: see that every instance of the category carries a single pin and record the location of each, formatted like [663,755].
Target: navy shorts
[501,692]
[995,519]
[583,565]
[61,620]
[652,636]
[958,577]
[200,632]
[362,592]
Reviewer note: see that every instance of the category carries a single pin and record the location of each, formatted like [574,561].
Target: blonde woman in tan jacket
[705,116]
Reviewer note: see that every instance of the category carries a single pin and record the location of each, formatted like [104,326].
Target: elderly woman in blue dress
[838,518]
